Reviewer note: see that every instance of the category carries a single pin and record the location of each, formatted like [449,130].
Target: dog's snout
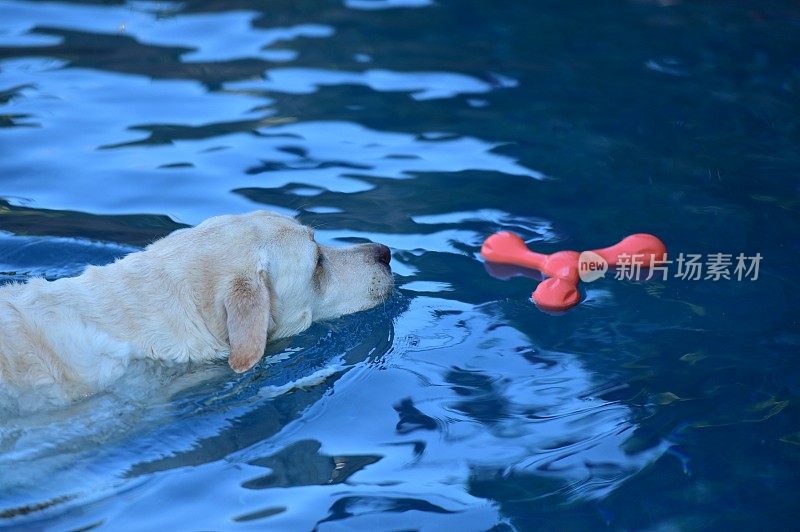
[382,254]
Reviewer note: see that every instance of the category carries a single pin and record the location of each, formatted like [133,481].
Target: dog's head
[262,275]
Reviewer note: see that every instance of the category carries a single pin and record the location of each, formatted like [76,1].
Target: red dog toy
[560,291]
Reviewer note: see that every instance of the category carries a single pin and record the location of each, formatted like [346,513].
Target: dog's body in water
[221,289]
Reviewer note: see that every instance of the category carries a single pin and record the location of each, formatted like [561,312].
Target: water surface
[426,126]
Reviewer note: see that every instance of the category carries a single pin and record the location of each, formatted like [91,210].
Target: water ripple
[420,85]
[219,36]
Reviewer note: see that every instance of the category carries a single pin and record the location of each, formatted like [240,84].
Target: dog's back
[47,348]
[70,337]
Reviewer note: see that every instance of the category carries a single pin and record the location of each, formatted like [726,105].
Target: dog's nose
[382,254]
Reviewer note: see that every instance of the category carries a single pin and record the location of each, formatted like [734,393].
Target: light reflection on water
[453,395]
[188,175]
[210,37]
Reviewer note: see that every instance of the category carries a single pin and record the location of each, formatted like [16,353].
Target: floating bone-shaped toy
[560,291]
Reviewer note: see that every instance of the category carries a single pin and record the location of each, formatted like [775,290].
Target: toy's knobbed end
[503,247]
[647,248]
[508,248]
[556,294]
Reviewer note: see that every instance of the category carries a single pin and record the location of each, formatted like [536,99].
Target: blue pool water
[427,126]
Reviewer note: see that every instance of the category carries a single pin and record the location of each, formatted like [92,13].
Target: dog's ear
[247,304]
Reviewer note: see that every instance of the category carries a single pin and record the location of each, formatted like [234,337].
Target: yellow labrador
[221,289]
